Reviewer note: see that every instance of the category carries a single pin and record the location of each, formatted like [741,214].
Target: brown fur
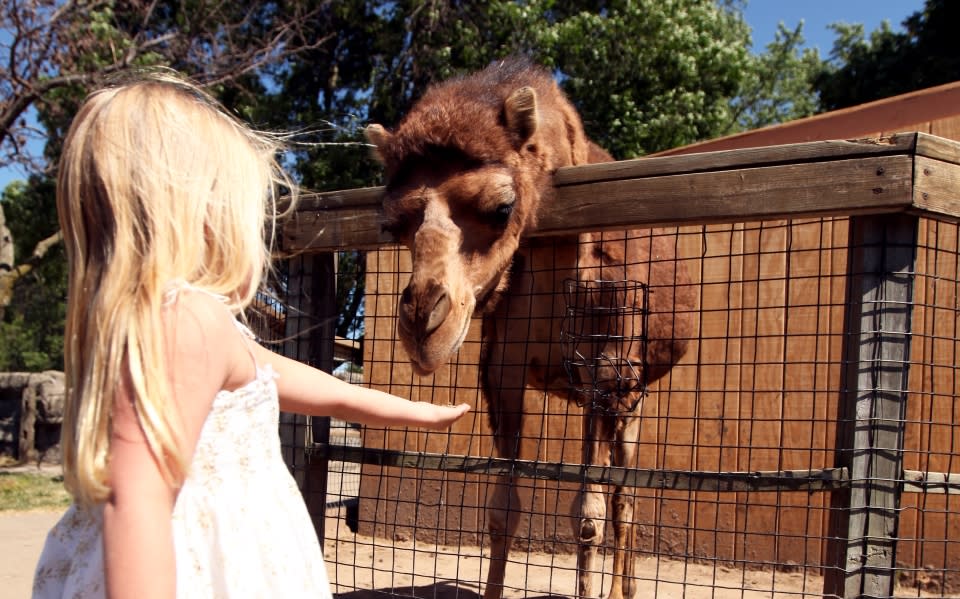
[468,170]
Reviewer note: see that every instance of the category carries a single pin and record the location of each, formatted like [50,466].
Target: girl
[170,441]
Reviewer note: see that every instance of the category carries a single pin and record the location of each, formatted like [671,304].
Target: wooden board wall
[735,402]
[926,521]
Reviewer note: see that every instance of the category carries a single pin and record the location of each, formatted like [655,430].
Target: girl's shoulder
[202,332]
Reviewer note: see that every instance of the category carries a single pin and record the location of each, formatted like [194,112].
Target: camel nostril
[406,313]
[439,313]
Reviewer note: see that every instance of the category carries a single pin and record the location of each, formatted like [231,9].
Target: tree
[645,74]
[889,63]
[77,45]
[32,324]
[652,75]
[778,86]
[58,50]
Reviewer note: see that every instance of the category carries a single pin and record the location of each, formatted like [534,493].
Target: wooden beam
[937,483]
[725,160]
[877,350]
[311,280]
[937,187]
[882,183]
[938,148]
[822,178]
[852,186]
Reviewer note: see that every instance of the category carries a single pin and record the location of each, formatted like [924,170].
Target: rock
[31,412]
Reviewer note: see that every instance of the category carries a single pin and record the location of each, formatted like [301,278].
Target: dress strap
[177,285]
[249,337]
[246,331]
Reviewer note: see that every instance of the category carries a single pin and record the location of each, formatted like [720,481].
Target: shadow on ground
[440,590]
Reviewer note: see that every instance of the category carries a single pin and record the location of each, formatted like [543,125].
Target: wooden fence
[813,425]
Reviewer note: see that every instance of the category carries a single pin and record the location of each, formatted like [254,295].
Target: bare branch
[55,44]
[9,277]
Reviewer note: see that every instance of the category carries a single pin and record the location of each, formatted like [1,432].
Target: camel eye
[396,228]
[502,213]
[391,227]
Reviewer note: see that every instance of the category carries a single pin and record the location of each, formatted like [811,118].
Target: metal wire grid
[759,392]
[928,532]
[603,321]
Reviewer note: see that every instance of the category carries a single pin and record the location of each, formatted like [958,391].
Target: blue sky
[763,16]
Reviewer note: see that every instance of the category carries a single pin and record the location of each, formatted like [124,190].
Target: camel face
[462,230]
[466,172]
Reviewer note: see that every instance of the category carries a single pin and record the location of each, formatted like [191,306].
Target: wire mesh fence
[749,480]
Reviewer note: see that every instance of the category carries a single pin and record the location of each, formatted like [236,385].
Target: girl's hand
[441,417]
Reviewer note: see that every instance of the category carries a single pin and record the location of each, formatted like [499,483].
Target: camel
[467,171]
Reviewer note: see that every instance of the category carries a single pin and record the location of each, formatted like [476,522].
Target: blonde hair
[156,185]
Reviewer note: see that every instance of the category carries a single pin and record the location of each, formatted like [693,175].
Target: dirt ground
[411,569]
[21,539]
[364,567]
[406,568]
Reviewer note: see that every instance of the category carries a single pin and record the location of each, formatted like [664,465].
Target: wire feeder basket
[604,343]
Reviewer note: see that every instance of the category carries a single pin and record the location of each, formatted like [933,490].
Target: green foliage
[31,333]
[647,75]
[651,75]
[889,63]
[778,85]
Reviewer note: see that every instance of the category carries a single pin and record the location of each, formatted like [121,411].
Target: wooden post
[863,525]
[28,424]
[310,325]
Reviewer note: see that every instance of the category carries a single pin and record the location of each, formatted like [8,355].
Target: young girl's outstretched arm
[306,390]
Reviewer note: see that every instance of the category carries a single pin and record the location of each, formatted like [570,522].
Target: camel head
[467,170]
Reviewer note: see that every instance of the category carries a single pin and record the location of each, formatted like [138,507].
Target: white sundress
[240,526]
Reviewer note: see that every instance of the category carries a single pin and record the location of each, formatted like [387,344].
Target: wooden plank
[938,146]
[937,187]
[352,218]
[851,186]
[881,289]
[340,199]
[650,478]
[818,151]
[899,113]
[355,227]
[938,483]
[855,186]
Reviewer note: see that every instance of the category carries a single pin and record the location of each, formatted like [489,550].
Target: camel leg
[624,454]
[593,503]
[503,508]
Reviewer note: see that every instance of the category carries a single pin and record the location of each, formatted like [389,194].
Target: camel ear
[379,137]
[521,112]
